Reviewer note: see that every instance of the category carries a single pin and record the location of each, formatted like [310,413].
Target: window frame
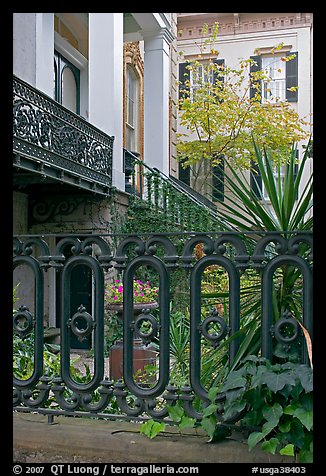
[60,64]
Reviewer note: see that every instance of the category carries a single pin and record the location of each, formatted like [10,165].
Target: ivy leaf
[210,410]
[305,375]
[285,426]
[212,392]
[269,426]
[270,445]
[276,382]
[234,381]
[186,422]
[233,409]
[176,412]
[287,450]
[305,416]
[209,424]
[254,438]
[152,428]
[305,456]
[290,409]
[273,413]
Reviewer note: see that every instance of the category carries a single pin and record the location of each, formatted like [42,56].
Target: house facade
[252,35]
[92,90]
[88,89]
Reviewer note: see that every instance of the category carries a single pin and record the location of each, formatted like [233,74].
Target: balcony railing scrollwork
[50,140]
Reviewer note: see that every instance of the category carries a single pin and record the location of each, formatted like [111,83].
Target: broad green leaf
[306,417]
[233,409]
[254,438]
[209,424]
[287,450]
[268,426]
[234,381]
[285,426]
[291,409]
[306,400]
[211,409]
[273,413]
[305,456]
[176,412]
[270,445]
[152,428]
[305,375]
[276,382]
[187,422]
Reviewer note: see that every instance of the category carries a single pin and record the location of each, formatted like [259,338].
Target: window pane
[131,95]
[274,89]
[54,94]
[69,90]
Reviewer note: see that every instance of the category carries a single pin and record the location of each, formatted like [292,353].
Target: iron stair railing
[168,194]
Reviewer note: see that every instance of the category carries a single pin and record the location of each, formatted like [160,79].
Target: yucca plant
[282,210]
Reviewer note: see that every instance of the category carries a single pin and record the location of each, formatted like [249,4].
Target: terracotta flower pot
[142,354]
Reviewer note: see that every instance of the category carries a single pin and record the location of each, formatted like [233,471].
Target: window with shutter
[183,77]
[184,174]
[197,76]
[292,78]
[256,181]
[218,181]
[254,67]
[283,77]
[273,89]
[257,185]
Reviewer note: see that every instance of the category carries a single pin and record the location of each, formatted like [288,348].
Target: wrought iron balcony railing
[217,293]
[51,141]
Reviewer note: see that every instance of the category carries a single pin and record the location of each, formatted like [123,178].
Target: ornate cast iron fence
[50,140]
[160,255]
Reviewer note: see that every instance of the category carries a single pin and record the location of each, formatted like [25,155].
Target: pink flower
[120,289]
[115,298]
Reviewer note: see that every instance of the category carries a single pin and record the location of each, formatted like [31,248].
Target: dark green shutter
[253,69]
[256,180]
[183,77]
[295,170]
[291,72]
[218,76]
[184,174]
[218,181]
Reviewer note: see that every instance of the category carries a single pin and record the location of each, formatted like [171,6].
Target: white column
[106,83]
[156,100]
[33,45]
[44,52]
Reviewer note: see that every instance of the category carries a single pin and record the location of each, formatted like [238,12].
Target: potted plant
[144,295]
[144,298]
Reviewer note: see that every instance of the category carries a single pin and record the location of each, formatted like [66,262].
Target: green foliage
[151,428]
[177,413]
[283,209]
[278,404]
[222,116]
[179,346]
